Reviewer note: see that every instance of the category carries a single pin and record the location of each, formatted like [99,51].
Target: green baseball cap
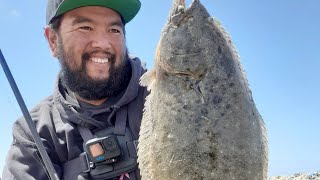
[127,9]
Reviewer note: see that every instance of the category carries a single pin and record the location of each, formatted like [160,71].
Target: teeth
[99,60]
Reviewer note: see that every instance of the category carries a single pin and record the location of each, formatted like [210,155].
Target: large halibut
[200,121]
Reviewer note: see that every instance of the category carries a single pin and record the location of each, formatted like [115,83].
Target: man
[97,105]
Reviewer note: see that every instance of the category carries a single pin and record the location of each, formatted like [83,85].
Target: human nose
[101,41]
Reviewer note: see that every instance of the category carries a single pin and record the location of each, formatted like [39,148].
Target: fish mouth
[180,14]
[183,63]
[179,8]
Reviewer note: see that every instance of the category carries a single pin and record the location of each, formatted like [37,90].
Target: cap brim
[128,9]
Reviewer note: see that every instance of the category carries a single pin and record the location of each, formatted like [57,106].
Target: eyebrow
[117,23]
[80,19]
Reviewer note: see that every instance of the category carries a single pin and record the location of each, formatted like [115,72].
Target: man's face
[92,51]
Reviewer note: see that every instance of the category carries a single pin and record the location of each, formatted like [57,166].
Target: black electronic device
[103,150]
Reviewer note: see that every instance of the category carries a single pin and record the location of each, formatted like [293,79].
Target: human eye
[115,30]
[86,28]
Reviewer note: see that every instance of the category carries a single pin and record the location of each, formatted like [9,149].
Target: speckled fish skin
[200,121]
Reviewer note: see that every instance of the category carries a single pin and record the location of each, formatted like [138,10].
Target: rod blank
[44,155]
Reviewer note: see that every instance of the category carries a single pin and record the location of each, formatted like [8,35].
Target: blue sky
[278,42]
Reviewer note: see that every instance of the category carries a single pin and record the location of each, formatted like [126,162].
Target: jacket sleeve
[23,160]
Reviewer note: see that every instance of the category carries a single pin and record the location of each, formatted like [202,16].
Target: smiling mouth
[100,60]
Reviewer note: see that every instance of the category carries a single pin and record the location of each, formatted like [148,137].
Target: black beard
[82,84]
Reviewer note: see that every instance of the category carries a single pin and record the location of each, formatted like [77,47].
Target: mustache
[87,55]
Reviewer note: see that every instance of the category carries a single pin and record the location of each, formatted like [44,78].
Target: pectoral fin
[148,79]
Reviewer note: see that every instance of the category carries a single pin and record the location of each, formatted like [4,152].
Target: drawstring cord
[84,121]
[115,108]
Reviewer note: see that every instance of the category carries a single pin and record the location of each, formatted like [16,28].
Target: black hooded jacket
[56,119]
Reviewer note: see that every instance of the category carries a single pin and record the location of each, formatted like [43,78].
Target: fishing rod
[43,153]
